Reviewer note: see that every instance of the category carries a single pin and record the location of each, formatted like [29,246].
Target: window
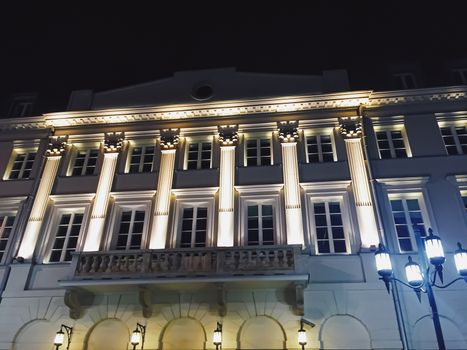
[131,228]
[84,162]
[319,148]
[260,225]
[391,144]
[455,139]
[198,155]
[22,165]
[258,152]
[408,217]
[6,226]
[405,81]
[66,237]
[194,227]
[459,76]
[142,159]
[330,237]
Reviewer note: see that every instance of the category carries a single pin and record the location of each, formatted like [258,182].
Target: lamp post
[60,336]
[430,249]
[138,336]
[217,336]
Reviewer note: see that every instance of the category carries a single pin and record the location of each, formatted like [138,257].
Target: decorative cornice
[169,138]
[288,131]
[350,127]
[301,103]
[113,141]
[56,145]
[228,135]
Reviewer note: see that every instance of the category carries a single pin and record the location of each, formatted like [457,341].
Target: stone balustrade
[179,263]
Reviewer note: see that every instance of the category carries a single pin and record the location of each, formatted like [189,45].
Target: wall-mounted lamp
[138,336]
[217,336]
[301,334]
[60,336]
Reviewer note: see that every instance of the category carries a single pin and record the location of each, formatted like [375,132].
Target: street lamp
[301,333]
[138,336]
[60,336]
[217,336]
[418,276]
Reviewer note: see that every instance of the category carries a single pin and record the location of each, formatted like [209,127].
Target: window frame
[318,133]
[143,145]
[199,141]
[8,213]
[392,149]
[79,148]
[258,137]
[260,194]
[133,200]
[15,152]
[193,197]
[452,127]
[403,78]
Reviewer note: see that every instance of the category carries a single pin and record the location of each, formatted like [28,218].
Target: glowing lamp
[135,337]
[434,249]
[383,261]
[460,259]
[138,336]
[217,336]
[301,337]
[59,338]
[413,273]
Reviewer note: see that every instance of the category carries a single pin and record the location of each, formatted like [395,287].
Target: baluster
[110,264]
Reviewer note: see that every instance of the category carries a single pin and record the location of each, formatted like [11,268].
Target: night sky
[55,49]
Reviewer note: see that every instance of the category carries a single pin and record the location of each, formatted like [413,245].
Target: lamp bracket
[221,300]
[145,300]
[72,300]
[299,307]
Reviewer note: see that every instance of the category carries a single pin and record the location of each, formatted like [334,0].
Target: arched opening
[424,336]
[37,335]
[344,332]
[261,332]
[183,333]
[110,334]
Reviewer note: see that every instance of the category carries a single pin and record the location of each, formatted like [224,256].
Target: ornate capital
[56,145]
[288,131]
[170,138]
[228,135]
[350,127]
[113,141]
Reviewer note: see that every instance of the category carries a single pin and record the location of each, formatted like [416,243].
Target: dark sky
[57,48]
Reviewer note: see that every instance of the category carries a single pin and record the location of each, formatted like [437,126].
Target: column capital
[113,141]
[288,131]
[56,146]
[170,138]
[228,135]
[350,127]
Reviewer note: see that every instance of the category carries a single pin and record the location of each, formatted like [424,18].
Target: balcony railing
[179,263]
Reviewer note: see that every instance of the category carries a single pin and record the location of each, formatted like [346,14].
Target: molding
[326,187]
[11,203]
[72,198]
[200,191]
[398,183]
[259,189]
[86,138]
[388,121]
[459,180]
[133,195]
[26,144]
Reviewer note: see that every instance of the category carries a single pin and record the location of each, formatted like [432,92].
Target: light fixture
[301,336]
[383,261]
[60,336]
[460,259]
[138,336]
[413,273]
[217,336]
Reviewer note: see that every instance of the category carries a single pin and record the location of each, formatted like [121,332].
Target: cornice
[288,104]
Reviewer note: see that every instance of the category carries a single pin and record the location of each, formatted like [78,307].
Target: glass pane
[339,246]
[323,247]
[396,205]
[252,210]
[267,210]
[319,208]
[405,245]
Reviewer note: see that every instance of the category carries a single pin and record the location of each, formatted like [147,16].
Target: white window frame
[80,148]
[330,191]
[461,182]
[453,127]
[14,154]
[258,137]
[193,197]
[392,149]
[318,133]
[130,200]
[256,195]
[11,206]
[143,145]
[199,141]
[407,188]
[403,76]
[63,204]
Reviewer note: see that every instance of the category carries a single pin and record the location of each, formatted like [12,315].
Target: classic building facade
[194,200]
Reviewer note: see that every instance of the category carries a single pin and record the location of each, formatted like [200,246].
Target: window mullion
[260,224]
[130,229]
[67,235]
[391,144]
[409,224]
[456,139]
[141,159]
[23,165]
[329,227]
[193,226]
[320,151]
[198,160]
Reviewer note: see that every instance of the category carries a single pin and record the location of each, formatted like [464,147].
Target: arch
[261,332]
[183,333]
[344,332]
[37,334]
[108,334]
[424,337]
